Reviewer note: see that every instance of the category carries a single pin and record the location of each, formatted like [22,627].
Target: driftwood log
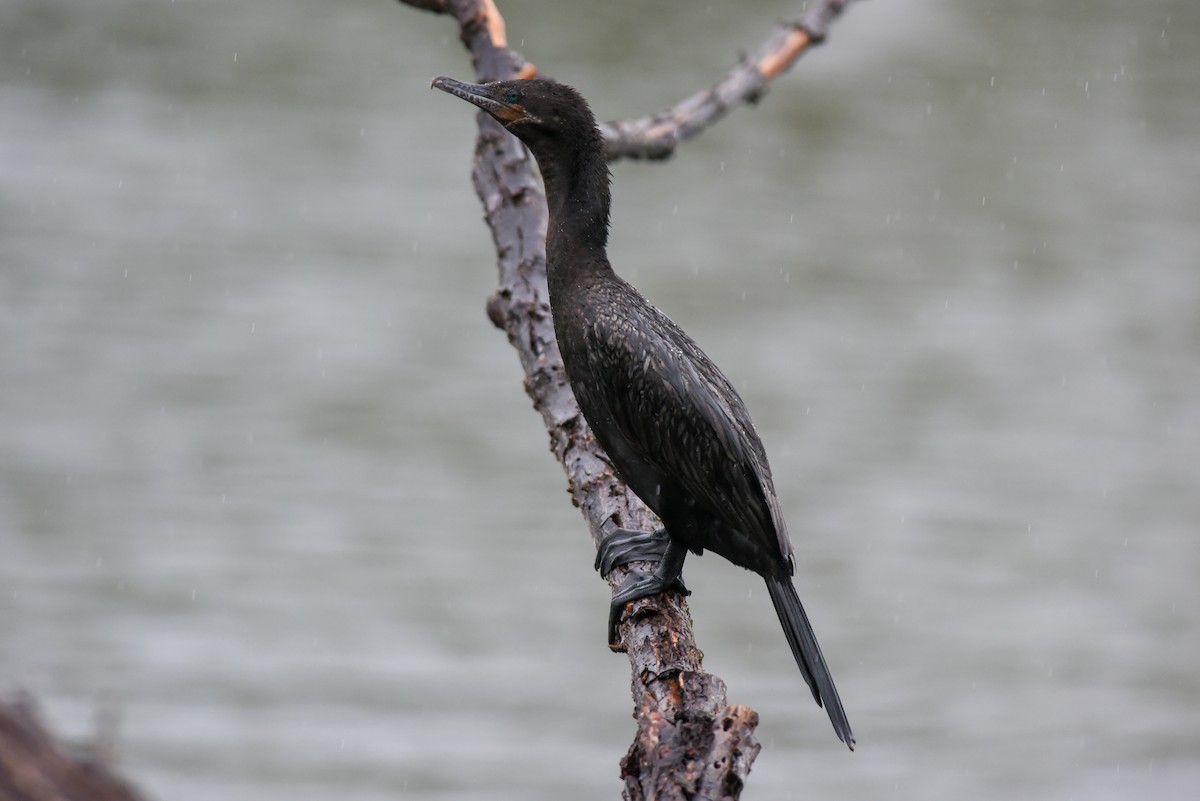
[34,767]
[691,742]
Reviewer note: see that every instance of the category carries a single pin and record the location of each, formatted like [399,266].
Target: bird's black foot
[637,585]
[623,546]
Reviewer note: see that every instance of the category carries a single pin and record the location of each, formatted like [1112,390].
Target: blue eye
[512,96]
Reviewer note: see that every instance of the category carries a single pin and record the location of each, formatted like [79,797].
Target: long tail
[808,654]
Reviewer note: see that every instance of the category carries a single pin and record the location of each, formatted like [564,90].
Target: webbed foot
[623,546]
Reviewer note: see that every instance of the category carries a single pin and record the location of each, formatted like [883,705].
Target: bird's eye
[512,96]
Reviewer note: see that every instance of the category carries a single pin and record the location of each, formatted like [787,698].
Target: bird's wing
[679,414]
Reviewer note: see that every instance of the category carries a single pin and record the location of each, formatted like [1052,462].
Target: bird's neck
[577,196]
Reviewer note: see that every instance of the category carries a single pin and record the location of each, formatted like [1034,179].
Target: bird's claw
[623,546]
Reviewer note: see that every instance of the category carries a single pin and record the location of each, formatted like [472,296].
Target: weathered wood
[691,742]
[33,767]
[657,136]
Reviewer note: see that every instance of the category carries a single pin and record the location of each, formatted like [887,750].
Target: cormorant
[672,425]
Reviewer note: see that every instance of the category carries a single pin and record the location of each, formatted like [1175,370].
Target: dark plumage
[672,425]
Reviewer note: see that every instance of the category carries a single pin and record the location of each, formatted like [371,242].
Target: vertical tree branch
[690,743]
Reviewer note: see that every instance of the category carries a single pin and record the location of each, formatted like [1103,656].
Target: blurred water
[269,485]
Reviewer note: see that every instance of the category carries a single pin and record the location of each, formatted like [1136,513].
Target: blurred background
[271,490]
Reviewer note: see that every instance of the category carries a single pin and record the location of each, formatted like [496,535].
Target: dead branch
[657,136]
[691,743]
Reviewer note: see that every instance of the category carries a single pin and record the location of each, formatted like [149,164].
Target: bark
[691,742]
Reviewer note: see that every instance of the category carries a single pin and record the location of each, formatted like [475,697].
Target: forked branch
[691,743]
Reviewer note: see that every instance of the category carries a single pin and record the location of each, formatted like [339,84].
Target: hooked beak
[482,95]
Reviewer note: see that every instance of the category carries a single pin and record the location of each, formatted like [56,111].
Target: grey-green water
[269,485]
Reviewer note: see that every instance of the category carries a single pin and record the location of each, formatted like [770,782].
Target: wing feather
[681,422]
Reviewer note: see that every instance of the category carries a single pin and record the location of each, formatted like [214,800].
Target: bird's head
[535,110]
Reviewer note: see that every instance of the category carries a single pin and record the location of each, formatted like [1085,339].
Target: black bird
[673,427]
